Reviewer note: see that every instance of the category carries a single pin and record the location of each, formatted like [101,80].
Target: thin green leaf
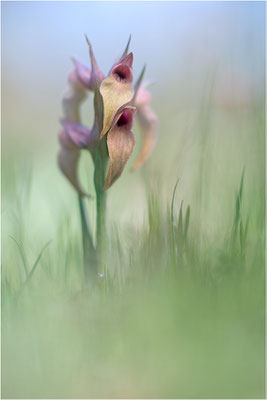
[239,198]
[36,263]
[180,222]
[84,223]
[139,80]
[246,228]
[187,219]
[22,255]
[241,235]
[124,54]
[172,203]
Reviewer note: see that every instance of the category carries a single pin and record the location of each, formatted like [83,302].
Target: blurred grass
[183,312]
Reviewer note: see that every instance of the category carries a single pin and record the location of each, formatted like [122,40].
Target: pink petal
[66,141]
[79,134]
[127,60]
[68,163]
[83,74]
[143,97]
[148,124]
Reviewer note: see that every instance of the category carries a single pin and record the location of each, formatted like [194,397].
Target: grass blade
[180,223]
[186,224]
[22,255]
[239,198]
[172,203]
[36,262]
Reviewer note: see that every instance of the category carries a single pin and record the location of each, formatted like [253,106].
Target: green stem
[101,220]
[101,233]
[100,161]
[89,253]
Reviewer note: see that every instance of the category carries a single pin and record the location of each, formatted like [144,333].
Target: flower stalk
[110,141]
[100,158]
[89,253]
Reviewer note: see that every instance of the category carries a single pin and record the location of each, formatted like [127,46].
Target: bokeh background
[206,65]
[193,51]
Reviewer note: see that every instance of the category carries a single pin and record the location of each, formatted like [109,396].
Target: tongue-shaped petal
[117,91]
[120,141]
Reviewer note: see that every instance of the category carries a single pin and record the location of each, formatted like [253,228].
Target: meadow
[180,312]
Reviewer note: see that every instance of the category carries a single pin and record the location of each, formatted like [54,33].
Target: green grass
[180,313]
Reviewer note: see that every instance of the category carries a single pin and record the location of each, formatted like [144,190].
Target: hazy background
[186,323]
[196,53]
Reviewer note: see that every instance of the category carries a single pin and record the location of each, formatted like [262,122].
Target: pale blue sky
[181,43]
[38,34]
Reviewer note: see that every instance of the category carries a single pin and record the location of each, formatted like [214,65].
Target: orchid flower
[69,153]
[116,102]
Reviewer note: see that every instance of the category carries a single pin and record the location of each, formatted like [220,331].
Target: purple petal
[79,134]
[83,74]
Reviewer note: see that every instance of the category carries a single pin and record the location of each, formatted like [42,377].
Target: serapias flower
[69,153]
[116,102]
[117,91]
[120,141]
